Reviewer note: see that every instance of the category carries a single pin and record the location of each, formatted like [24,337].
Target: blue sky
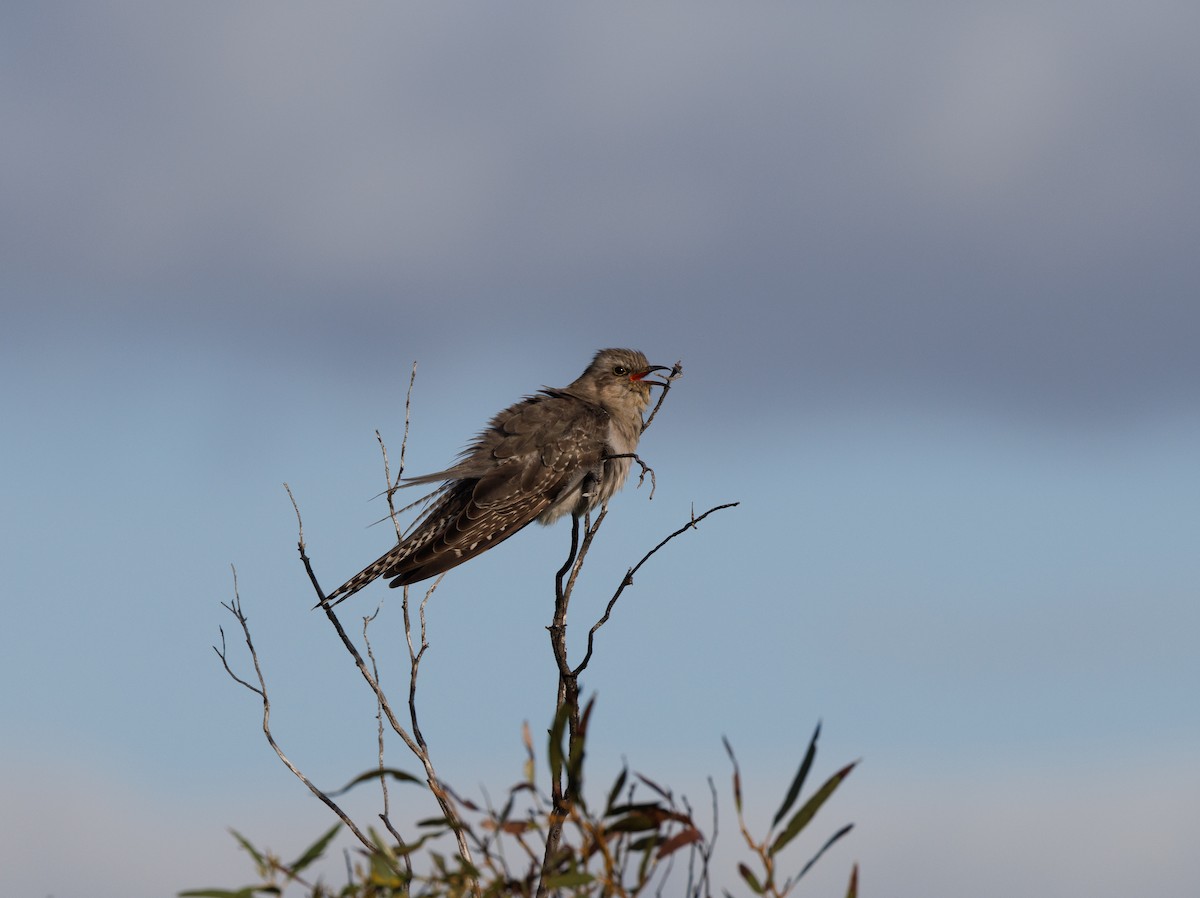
[932,276]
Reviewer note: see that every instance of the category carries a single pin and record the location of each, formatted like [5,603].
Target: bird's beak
[639,376]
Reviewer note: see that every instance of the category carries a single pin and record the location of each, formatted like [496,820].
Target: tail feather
[364,577]
[430,523]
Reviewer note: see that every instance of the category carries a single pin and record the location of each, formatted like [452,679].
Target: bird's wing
[531,455]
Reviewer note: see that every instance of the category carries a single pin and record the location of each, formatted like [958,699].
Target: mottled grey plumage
[549,455]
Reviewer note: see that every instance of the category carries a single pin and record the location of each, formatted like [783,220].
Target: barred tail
[364,577]
[430,524]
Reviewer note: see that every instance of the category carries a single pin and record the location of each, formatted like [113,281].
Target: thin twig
[591,528]
[378,708]
[235,608]
[698,887]
[390,492]
[385,815]
[568,691]
[393,485]
[676,373]
[628,580]
[436,786]
[415,657]
[412,379]
[221,651]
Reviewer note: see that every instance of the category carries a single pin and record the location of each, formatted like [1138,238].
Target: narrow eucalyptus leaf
[566,880]
[615,792]
[798,782]
[316,849]
[837,835]
[372,775]
[555,753]
[750,878]
[809,809]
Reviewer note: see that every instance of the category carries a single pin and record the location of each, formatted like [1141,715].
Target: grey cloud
[997,196]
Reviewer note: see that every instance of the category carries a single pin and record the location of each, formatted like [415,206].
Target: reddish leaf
[677,841]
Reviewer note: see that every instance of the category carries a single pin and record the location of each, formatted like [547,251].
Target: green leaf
[852,889]
[566,880]
[555,752]
[384,857]
[434,821]
[410,847]
[750,879]
[375,774]
[737,777]
[646,842]
[259,861]
[576,753]
[809,809]
[798,782]
[656,787]
[646,807]
[653,811]
[633,823]
[315,850]
[384,869]
[615,792]
[837,835]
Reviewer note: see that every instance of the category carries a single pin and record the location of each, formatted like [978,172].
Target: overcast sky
[932,274]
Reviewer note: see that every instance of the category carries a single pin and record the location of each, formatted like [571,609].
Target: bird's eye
[620,370]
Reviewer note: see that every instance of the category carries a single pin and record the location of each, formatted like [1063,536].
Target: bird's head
[621,375]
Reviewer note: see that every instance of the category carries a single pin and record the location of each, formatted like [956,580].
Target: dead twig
[235,608]
[385,815]
[676,373]
[415,656]
[440,793]
[628,580]
[393,485]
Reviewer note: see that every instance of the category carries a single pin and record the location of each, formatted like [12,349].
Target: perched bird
[560,451]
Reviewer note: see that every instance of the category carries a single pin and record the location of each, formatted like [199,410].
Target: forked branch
[421,752]
[235,608]
[628,580]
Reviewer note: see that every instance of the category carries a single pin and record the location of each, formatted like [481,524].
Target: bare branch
[435,784]
[628,581]
[235,608]
[676,373]
[415,657]
[393,485]
[590,529]
[385,816]
[412,379]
